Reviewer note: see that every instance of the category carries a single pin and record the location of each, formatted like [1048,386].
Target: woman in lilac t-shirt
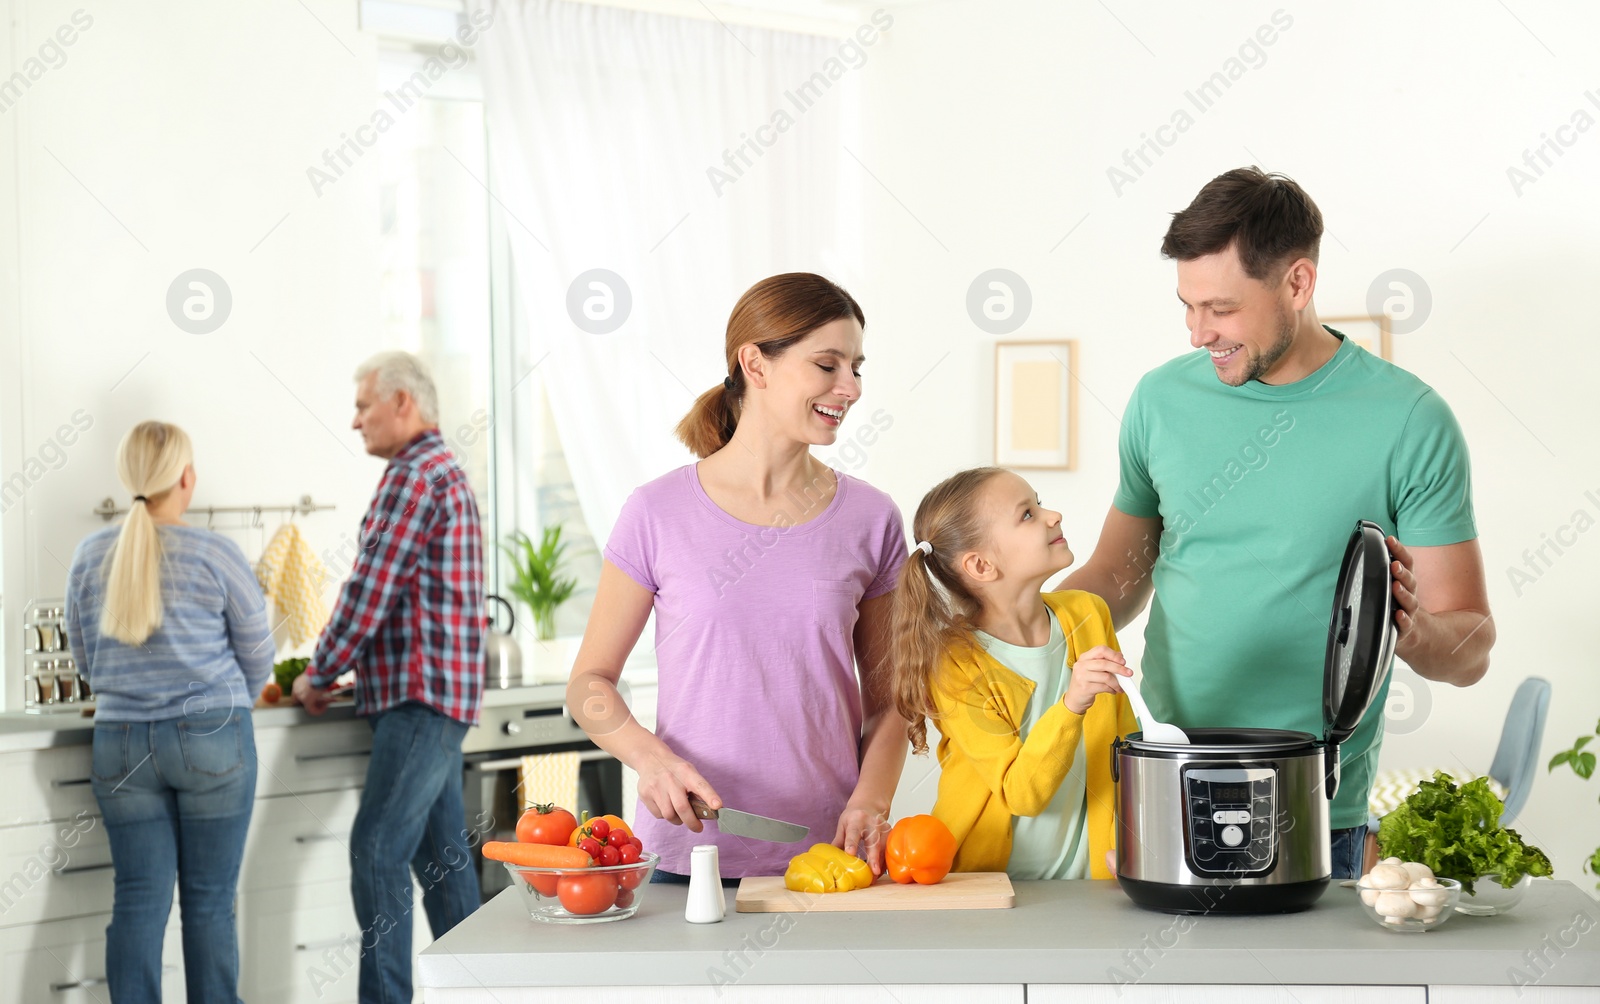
[769,574]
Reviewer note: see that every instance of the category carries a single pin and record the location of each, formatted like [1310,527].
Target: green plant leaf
[1583,765]
[1582,742]
[1559,759]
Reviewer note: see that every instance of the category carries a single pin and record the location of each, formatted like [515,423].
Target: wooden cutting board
[958,891]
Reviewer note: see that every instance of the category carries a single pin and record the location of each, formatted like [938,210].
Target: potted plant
[1582,763]
[1456,832]
[538,581]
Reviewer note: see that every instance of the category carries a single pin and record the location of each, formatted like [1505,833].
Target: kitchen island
[1077,941]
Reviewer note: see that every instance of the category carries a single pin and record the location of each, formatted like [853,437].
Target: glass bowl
[1489,897]
[1429,907]
[591,895]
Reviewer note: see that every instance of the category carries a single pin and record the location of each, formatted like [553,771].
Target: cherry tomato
[598,829]
[590,846]
[614,826]
[545,824]
[624,898]
[543,882]
[585,895]
[632,878]
[627,854]
[637,843]
[609,856]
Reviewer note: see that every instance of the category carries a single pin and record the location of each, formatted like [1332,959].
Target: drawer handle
[93,981]
[76,869]
[301,758]
[71,782]
[312,838]
[305,757]
[317,946]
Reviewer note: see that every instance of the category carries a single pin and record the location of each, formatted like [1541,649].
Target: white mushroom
[1428,912]
[1418,871]
[1369,896]
[1395,904]
[1435,897]
[1387,877]
[1390,861]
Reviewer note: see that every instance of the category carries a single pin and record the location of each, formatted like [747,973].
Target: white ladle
[1154,731]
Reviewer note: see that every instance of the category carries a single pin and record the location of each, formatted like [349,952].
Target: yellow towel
[550,778]
[290,572]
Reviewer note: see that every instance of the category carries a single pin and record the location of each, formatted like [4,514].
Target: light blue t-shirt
[213,650]
[1051,845]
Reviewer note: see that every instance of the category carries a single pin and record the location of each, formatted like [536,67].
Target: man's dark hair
[1270,218]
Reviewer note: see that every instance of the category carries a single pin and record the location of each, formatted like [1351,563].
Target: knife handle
[701,809]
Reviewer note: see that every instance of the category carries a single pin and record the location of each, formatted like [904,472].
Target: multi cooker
[1237,821]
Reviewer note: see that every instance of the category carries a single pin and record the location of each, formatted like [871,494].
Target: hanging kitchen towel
[550,778]
[292,575]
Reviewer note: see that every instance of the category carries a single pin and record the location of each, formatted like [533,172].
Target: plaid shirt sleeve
[393,541]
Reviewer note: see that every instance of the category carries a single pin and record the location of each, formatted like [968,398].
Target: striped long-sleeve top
[213,649]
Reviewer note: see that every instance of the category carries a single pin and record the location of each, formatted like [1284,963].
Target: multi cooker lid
[1361,632]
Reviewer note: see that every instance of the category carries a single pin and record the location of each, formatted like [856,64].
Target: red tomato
[627,854]
[632,878]
[624,898]
[546,824]
[609,856]
[590,846]
[587,894]
[599,828]
[543,882]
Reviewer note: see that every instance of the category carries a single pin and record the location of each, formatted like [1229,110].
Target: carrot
[536,855]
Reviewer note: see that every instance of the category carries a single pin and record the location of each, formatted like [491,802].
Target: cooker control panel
[1230,819]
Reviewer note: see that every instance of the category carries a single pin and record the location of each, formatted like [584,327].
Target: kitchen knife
[748,824]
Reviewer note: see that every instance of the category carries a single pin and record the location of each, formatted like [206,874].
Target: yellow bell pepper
[825,868]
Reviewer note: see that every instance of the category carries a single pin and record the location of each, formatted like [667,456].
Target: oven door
[494,801]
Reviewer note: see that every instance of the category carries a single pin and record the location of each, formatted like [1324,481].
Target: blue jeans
[411,819]
[1348,848]
[176,797]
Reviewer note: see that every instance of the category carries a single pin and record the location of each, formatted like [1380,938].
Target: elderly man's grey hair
[399,371]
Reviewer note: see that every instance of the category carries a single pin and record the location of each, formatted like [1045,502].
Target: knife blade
[748,824]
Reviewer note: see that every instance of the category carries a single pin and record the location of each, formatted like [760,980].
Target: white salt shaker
[705,904]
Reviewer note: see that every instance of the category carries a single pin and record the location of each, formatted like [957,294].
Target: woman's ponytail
[710,423]
[150,462]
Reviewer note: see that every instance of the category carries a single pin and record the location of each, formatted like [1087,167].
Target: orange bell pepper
[920,849]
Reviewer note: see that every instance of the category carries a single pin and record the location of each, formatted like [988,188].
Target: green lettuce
[1457,833]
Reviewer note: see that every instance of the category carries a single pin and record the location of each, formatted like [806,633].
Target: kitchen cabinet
[297,926]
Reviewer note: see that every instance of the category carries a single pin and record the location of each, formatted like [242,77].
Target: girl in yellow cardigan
[1012,678]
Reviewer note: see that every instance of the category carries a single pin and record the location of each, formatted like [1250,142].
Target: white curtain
[604,125]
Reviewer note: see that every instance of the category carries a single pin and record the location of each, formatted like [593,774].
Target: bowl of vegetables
[572,872]
[1406,896]
[586,894]
[1455,832]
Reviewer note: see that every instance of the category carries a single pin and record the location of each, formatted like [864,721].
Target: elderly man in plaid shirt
[410,622]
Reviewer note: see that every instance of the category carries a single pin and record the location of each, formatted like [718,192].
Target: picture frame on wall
[1370,331]
[1036,405]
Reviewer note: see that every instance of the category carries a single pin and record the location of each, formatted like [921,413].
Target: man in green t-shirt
[1245,467]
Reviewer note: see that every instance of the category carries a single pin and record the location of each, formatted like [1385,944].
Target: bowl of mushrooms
[1405,896]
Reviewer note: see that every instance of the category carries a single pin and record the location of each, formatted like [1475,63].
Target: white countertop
[1058,932]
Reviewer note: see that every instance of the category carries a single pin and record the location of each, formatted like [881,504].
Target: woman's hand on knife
[664,786]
